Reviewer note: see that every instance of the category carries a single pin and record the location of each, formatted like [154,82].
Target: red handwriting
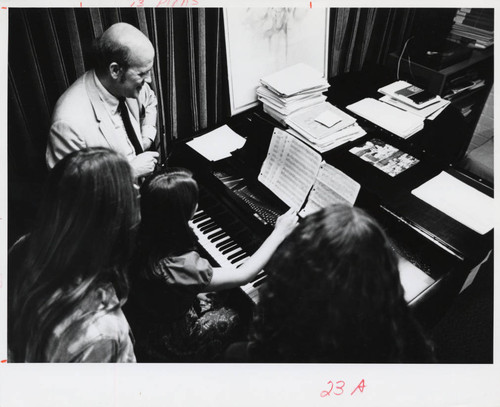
[140,3]
[337,389]
[3,361]
[310,4]
[181,3]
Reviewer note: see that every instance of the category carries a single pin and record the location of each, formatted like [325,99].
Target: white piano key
[215,250]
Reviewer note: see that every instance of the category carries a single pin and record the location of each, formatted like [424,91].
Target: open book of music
[297,175]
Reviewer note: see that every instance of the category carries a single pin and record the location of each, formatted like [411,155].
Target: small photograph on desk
[384,156]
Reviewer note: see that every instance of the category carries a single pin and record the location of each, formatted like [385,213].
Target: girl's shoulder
[188,269]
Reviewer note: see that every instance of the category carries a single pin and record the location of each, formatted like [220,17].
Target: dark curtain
[50,48]
[359,36]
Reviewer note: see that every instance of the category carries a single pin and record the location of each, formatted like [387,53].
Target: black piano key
[258,282]
[240,257]
[239,252]
[229,248]
[223,242]
[209,229]
[203,217]
[228,242]
[199,216]
[206,226]
[218,238]
[216,235]
[204,223]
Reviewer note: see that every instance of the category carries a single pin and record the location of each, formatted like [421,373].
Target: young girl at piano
[67,279]
[169,320]
[333,295]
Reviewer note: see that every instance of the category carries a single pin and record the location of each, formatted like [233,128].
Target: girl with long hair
[333,295]
[67,279]
[175,323]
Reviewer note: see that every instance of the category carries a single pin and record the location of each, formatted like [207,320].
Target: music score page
[289,169]
[332,186]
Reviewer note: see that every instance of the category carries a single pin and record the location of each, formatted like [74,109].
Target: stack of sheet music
[291,89]
[324,126]
[405,96]
[294,97]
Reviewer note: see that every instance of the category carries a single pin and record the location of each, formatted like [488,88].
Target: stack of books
[413,99]
[291,89]
[473,27]
[294,97]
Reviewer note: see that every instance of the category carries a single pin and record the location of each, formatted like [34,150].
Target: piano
[236,212]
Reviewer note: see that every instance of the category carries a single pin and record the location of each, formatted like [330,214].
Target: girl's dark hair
[84,238]
[334,295]
[168,200]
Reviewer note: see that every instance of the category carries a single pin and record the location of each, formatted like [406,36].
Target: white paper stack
[324,126]
[294,97]
[291,89]
[397,94]
[393,119]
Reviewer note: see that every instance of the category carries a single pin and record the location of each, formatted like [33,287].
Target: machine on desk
[237,213]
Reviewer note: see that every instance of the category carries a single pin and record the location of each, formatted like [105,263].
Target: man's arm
[148,106]
[63,139]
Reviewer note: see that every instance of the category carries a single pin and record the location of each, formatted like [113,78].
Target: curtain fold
[362,35]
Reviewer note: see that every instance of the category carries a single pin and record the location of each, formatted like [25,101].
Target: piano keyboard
[226,245]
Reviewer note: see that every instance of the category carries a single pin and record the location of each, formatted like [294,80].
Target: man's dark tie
[122,107]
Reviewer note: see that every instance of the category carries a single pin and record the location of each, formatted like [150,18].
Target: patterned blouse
[98,332]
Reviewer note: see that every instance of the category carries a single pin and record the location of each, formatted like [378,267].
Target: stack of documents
[395,120]
[398,94]
[324,126]
[291,89]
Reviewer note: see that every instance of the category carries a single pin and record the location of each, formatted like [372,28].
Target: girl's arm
[224,278]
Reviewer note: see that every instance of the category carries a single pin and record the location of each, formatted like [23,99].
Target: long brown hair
[334,295]
[84,237]
[168,200]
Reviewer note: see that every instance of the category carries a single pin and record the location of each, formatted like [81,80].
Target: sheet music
[217,144]
[289,169]
[332,186]
[458,200]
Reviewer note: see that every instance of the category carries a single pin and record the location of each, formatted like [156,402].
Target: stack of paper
[398,94]
[291,89]
[324,126]
[393,119]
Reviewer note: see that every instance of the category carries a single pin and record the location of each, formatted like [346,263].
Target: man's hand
[146,143]
[144,163]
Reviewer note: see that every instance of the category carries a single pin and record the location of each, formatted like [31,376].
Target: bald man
[111,105]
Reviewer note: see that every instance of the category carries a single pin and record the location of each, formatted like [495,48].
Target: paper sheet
[289,169]
[413,280]
[332,186]
[458,200]
[217,144]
